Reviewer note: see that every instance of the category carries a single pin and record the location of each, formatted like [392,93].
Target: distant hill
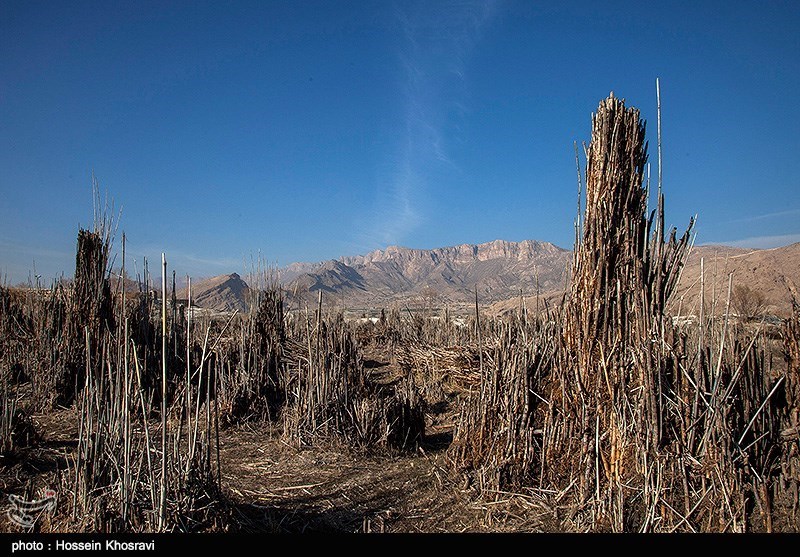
[772,272]
[222,293]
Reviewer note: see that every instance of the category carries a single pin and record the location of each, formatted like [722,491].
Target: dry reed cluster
[152,385]
[331,396]
[143,460]
[614,416]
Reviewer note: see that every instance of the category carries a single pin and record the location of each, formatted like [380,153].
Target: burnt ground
[270,486]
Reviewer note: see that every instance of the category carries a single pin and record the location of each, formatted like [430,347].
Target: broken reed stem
[580,190]
[199,392]
[162,507]
[189,358]
[126,402]
[760,408]
[478,331]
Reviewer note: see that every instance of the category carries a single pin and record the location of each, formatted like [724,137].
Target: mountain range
[500,270]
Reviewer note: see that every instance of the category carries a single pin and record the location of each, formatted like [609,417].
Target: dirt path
[275,487]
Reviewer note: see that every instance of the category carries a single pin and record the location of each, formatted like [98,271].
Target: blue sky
[303,131]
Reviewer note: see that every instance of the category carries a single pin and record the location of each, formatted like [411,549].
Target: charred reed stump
[615,370]
[87,322]
[251,370]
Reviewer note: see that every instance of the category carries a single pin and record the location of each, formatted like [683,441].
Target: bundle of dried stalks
[91,310]
[399,331]
[495,441]
[629,421]
[16,427]
[440,370]
[130,473]
[116,481]
[33,344]
[9,319]
[250,365]
[610,381]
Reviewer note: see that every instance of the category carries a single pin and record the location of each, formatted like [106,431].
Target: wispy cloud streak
[762,242]
[770,216]
[437,39]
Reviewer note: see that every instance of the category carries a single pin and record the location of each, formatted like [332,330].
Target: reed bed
[152,384]
[144,455]
[144,460]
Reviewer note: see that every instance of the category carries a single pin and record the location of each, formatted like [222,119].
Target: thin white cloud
[437,40]
[770,216]
[761,242]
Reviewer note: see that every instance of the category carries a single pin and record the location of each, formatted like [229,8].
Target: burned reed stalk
[15,426]
[636,423]
[91,305]
[115,482]
[609,421]
[787,489]
[250,363]
[188,401]
[613,376]
[163,500]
